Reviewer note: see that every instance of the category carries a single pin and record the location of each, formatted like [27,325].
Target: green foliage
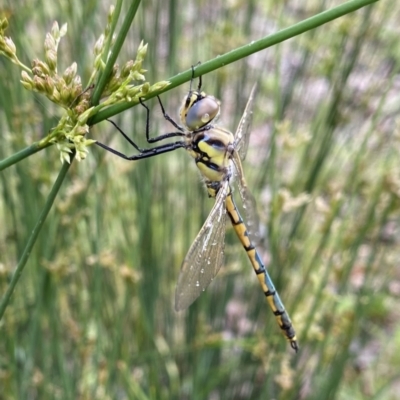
[92,314]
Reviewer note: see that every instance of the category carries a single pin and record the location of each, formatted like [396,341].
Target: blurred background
[93,314]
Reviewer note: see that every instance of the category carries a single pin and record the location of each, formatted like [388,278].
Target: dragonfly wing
[248,201]
[205,256]
[242,131]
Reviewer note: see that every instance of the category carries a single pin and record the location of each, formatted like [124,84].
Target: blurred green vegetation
[93,317]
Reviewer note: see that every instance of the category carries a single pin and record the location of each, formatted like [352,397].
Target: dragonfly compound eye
[202,112]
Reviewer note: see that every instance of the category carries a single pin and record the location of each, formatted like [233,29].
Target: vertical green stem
[115,51]
[32,239]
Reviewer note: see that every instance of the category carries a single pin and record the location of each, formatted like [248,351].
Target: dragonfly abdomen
[264,279]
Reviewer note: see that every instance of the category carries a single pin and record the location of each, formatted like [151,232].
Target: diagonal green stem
[32,239]
[218,62]
[116,48]
[28,151]
[244,51]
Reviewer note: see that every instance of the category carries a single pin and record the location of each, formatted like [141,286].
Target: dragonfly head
[198,110]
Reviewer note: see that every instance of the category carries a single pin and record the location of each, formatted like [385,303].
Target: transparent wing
[241,145]
[205,256]
[242,132]
[248,201]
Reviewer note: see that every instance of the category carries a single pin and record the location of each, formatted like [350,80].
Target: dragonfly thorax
[198,110]
[212,149]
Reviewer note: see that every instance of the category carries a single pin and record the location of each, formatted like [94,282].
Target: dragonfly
[218,155]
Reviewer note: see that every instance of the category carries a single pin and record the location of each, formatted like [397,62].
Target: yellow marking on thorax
[214,149]
[211,174]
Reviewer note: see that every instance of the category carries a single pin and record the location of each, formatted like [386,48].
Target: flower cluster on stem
[125,84]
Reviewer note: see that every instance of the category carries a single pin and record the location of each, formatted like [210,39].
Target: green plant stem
[202,69]
[244,51]
[32,239]
[115,17]
[28,151]
[100,85]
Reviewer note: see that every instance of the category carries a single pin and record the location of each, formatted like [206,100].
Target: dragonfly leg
[150,152]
